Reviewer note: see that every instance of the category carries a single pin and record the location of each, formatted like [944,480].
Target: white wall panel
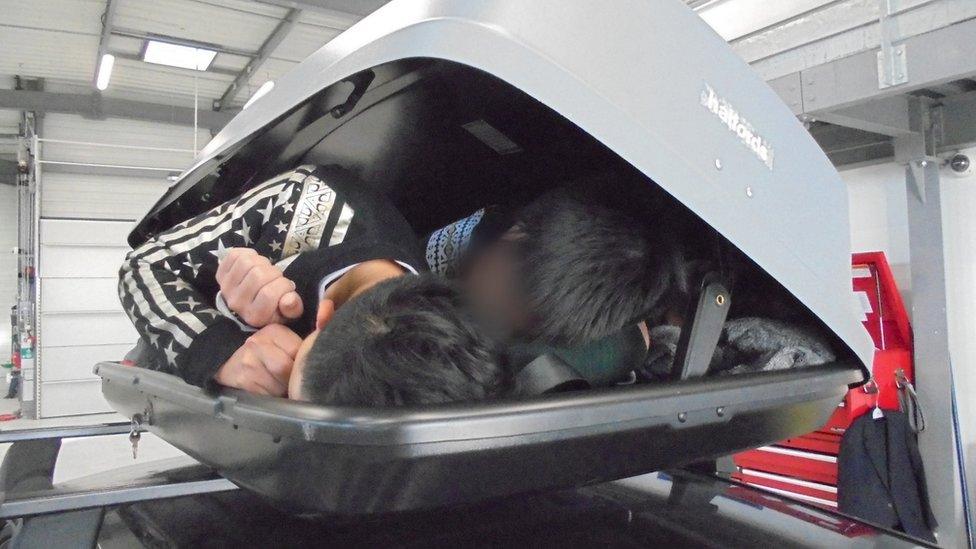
[9,124]
[86,196]
[73,262]
[85,221]
[879,217]
[76,362]
[58,232]
[81,320]
[78,295]
[8,265]
[75,330]
[117,131]
[73,398]
[959,234]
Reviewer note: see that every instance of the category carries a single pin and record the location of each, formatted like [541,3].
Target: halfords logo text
[737,125]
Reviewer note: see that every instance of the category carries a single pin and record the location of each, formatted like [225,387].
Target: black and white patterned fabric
[447,245]
[167,285]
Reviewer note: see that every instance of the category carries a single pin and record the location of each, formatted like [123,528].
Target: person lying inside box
[590,270]
[373,342]
[331,280]
[567,275]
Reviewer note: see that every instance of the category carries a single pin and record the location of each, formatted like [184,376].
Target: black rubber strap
[908,402]
[548,374]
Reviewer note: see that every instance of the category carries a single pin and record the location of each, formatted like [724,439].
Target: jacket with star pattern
[310,222]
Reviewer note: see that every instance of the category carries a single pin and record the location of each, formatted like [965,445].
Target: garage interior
[93,132]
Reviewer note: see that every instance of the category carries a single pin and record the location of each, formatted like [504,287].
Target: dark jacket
[881,478]
[309,222]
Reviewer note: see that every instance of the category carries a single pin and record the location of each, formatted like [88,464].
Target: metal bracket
[702,329]
[892,60]
[892,66]
[917,167]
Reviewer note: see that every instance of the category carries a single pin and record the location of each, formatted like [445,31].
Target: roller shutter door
[89,203]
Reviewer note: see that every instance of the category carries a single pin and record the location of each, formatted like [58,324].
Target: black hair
[587,270]
[409,340]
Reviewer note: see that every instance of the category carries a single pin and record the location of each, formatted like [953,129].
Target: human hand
[256,290]
[263,364]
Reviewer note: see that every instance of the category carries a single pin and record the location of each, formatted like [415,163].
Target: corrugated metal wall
[90,196]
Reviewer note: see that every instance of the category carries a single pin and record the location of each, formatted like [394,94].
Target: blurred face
[492,285]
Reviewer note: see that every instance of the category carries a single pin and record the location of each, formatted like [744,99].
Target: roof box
[448,105]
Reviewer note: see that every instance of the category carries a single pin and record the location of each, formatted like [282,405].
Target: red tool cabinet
[805,467]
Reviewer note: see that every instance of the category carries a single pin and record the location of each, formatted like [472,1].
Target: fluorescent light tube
[104,71]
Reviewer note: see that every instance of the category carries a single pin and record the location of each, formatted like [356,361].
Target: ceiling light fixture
[104,71]
[183,56]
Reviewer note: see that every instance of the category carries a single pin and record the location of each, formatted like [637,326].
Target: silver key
[134,439]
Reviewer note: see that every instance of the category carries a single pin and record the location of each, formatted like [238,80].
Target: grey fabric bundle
[748,344]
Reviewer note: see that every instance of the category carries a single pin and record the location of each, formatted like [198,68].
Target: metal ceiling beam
[886,116]
[356,7]
[96,106]
[846,92]
[108,20]
[847,147]
[279,33]
[140,35]
[933,58]
[956,119]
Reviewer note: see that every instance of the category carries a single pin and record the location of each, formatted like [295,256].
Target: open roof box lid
[451,105]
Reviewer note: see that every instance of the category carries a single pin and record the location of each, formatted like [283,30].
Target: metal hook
[871,387]
[877,413]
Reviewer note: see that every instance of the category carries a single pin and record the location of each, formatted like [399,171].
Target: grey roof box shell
[652,84]
[694,118]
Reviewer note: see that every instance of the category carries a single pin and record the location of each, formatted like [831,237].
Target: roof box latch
[702,328]
[360,82]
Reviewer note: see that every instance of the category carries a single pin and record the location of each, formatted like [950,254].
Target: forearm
[176,320]
[166,284]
